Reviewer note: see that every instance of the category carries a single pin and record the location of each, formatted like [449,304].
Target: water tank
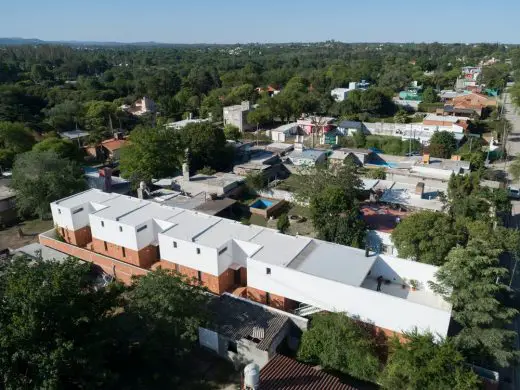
[252,376]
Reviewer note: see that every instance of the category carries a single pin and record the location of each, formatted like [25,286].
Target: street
[511,114]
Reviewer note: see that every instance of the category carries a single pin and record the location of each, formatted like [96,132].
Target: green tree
[232,132]
[473,281]
[442,144]
[338,342]
[425,363]
[401,117]
[425,236]
[377,173]
[261,116]
[151,153]
[282,224]
[255,181]
[64,148]
[207,146]
[360,138]
[43,177]
[430,96]
[335,215]
[56,329]
[15,138]
[64,116]
[97,114]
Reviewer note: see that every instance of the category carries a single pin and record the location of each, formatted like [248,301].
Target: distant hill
[34,41]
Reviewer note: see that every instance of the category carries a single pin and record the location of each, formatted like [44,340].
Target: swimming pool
[261,204]
[386,164]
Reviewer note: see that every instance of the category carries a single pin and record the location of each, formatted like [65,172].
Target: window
[267,298]
[59,211]
[102,224]
[268,271]
[141,228]
[120,228]
[175,244]
[78,210]
[124,252]
[199,276]
[106,246]
[232,346]
[198,251]
[222,250]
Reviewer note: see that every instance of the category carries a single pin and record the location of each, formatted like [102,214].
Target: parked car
[514,193]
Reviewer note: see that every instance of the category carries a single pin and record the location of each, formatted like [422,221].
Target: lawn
[10,237]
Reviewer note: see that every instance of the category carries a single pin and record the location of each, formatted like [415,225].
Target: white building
[182,124]
[340,94]
[283,132]
[140,107]
[281,270]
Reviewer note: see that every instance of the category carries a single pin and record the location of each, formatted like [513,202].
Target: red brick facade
[215,284]
[143,258]
[80,237]
[120,270]
[272,300]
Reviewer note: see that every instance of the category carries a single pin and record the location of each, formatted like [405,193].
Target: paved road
[511,113]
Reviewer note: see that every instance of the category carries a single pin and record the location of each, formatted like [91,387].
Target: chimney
[352,85]
[298,146]
[426,158]
[419,189]
[141,191]
[186,165]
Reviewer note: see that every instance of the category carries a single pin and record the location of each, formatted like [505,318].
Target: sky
[233,21]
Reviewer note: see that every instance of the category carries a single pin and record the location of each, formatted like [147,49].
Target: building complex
[128,236]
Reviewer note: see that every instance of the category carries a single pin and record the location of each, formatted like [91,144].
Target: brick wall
[120,270]
[80,237]
[275,301]
[143,258]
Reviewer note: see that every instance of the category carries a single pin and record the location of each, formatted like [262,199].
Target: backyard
[11,237]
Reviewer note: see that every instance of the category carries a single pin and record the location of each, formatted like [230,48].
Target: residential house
[178,125]
[284,132]
[340,94]
[359,156]
[127,236]
[244,331]
[284,373]
[77,136]
[111,147]
[316,124]
[140,107]
[237,116]
[349,127]
[303,157]
[269,90]
[8,212]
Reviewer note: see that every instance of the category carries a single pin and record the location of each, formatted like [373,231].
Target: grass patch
[258,220]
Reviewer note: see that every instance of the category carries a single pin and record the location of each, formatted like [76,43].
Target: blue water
[386,164]
[261,204]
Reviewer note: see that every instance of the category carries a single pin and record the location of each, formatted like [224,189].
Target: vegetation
[15,138]
[40,178]
[232,132]
[474,282]
[425,236]
[377,173]
[338,342]
[282,224]
[59,330]
[425,363]
[442,144]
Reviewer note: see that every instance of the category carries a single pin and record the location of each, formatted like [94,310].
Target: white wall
[382,310]
[63,217]
[110,232]
[186,254]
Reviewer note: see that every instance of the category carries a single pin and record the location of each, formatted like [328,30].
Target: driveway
[511,113]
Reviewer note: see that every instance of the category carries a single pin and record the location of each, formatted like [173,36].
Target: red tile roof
[113,144]
[283,373]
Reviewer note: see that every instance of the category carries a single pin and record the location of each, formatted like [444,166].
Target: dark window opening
[232,347]
[124,252]
[222,250]
[268,271]
[198,251]
[106,246]
[102,224]
[267,298]
[199,276]
[175,244]
[142,228]
[78,210]
[120,228]
[253,339]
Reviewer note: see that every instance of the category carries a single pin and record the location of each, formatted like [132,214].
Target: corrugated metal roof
[238,319]
[283,373]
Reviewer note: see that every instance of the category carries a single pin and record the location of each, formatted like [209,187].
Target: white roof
[277,248]
[227,230]
[93,195]
[74,134]
[340,263]
[118,207]
[184,122]
[187,225]
[445,118]
[147,212]
[286,127]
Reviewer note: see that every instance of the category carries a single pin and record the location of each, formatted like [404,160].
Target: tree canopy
[15,138]
[442,144]
[40,178]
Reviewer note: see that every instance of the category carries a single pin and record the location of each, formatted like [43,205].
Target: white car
[514,193]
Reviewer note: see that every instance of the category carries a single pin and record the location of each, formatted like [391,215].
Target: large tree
[338,342]
[475,283]
[64,148]
[425,363]
[442,144]
[425,236]
[43,177]
[15,138]
[207,146]
[151,153]
[430,96]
